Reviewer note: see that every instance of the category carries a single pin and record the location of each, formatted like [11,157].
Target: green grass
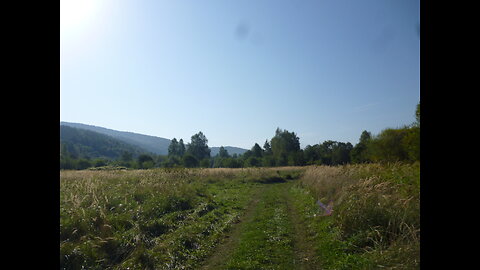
[181,218]
[266,241]
[376,219]
[150,219]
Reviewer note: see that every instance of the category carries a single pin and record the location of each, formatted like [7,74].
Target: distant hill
[230,149]
[146,143]
[82,143]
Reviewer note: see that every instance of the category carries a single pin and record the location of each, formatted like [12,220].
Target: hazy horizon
[326,70]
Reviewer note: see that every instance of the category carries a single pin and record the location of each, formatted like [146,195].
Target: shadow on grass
[281,177]
[271,180]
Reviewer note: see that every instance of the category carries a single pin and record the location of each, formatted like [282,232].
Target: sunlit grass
[150,219]
[376,218]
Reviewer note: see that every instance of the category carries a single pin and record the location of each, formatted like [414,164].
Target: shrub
[189,161]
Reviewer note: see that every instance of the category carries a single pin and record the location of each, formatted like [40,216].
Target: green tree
[296,158]
[267,149]
[99,162]
[247,154]
[253,162]
[268,161]
[359,153]
[219,160]
[67,163]
[223,153]
[401,144]
[389,146]
[83,163]
[171,162]
[284,143]
[126,156]
[173,148]
[205,163]
[411,143]
[190,161]
[312,155]
[325,152]
[417,114]
[181,148]
[145,161]
[176,148]
[198,147]
[341,153]
[148,164]
[231,163]
[257,151]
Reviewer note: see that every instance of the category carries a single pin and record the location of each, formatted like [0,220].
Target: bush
[189,161]
[147,164]
[99,162]
[171,162]
[388,146]
[82,164]
[232,163]
[205,163]
[253,162]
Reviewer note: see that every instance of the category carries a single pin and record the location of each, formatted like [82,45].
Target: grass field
[255,218]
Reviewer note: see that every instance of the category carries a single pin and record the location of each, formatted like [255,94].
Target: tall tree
[267,149]
[284,143]
[198,147]
[359,153]
[173,148]
[220,158]
[341,153]
[417,114]
[257,151]
[181,148]
[389,145]
[190,161]
[223,153]
[312,155]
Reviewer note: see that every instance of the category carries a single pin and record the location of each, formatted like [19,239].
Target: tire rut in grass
[304,250]
[298,252]
[228,244]
[265,241]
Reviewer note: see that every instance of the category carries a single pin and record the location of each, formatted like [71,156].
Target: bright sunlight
[76,14]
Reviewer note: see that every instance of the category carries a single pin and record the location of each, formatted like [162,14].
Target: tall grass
[150,219]
[376,210]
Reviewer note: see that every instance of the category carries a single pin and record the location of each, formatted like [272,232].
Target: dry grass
[376,209]
[142,218]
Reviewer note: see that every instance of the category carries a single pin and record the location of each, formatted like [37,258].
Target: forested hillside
[148,143]
[80,144]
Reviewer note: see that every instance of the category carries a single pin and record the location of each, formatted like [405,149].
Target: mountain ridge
[149,143]
[83,143]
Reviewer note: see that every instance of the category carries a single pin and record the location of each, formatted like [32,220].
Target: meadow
[245,218]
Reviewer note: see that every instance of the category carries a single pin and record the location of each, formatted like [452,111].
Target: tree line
[283,149]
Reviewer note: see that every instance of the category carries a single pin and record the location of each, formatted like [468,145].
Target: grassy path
[256,218]
[226,247]
[304,250]
[269,236]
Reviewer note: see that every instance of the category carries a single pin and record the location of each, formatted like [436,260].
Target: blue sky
[237,70]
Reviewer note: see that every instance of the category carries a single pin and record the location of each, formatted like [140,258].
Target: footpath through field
[270,235]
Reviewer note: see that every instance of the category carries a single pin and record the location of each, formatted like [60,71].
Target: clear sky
[238,69]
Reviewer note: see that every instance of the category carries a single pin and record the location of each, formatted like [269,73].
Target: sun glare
[76,14]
